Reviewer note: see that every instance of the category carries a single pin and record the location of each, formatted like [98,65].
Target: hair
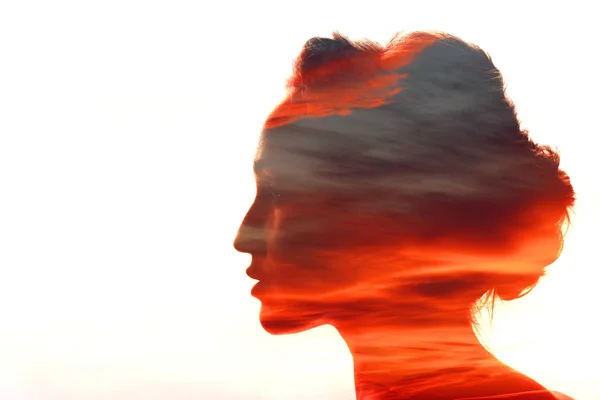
[430,140]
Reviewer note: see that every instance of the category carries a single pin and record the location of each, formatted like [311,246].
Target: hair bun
[318,51]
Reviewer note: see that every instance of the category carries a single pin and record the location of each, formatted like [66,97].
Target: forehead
[333,134]
[298,155]
[285,149]
[326,142]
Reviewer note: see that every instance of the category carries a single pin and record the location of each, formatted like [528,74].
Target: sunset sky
[127,133]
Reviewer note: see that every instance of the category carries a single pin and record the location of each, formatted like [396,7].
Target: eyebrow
[258,166]
[261,171]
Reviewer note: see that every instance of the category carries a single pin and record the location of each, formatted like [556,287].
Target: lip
[252,273]
[253,270]
[258,288]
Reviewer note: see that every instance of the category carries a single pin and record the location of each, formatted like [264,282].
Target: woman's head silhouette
[395,188]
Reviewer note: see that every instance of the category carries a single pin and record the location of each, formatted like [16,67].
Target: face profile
[395,190]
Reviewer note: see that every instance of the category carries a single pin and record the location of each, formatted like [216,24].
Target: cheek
[308,236]
[306,272]
[312,247]
[281,234]
[274,226]
[287,232]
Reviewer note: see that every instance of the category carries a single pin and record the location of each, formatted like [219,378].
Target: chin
[284,323]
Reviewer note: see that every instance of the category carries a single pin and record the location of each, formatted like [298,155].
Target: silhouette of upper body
[396,192]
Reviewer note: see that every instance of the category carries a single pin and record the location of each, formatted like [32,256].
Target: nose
[251,235]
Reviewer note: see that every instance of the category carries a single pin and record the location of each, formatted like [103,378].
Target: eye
[275,194]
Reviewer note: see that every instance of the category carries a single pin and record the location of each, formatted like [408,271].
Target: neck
[425,359]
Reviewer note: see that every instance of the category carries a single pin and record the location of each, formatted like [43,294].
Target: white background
[127,131]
